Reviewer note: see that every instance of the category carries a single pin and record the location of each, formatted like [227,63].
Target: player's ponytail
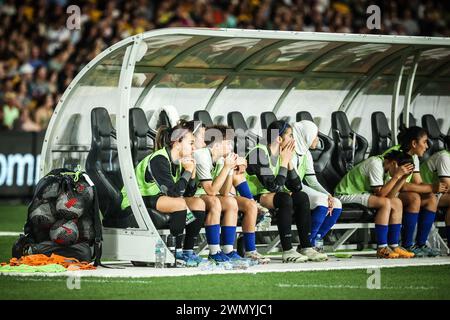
[163,137]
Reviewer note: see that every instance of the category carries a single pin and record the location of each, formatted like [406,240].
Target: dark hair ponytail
[407,135]
[166,136]
[163,137]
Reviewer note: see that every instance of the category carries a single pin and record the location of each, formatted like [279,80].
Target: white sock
[382,246]
[227,248]
[393,245]
[213,248]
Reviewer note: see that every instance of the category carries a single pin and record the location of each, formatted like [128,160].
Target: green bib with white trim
[354,182]
[256,187]
[149,188]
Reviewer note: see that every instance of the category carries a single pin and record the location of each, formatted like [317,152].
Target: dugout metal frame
[137,244]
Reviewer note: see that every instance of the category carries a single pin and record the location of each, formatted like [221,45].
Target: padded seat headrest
[267,118]
[101,122]
[379,121]
[304,115]
[340,122]
[204,117]
[139,122]
[236,121]
[430,124]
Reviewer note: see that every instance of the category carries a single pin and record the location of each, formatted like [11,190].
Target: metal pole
[395,96]
[409,86]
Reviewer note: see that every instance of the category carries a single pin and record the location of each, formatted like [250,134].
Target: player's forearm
[398,186]
[387,188]
[418,188]
[218,183]
[226,188]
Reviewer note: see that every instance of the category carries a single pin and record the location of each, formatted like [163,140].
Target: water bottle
[160,254]
[435,241]
[319,243]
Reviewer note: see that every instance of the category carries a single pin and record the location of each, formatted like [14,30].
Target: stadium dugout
[357,88]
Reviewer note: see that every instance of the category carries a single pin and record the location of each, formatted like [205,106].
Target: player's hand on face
[188,164]
[404,170]
[288,150]
[230,160]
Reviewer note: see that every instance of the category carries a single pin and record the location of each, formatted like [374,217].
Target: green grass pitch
[431,282]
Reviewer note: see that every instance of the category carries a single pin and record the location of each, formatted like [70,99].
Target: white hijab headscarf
[305,132]
[171,112]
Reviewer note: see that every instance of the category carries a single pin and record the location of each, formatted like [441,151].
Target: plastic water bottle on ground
[319,243]
[160,254]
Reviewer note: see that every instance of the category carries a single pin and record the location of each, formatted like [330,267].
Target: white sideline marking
[324,286]
[9,234]
[332,264]
[106,280]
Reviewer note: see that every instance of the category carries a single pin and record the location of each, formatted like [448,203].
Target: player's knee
[283,200]
[385,203]
[229,204]
[300,199]
[179,204]
[396,204]
[197,204]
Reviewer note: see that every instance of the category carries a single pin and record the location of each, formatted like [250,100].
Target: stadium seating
[244,138]
[141,136]
[381,134]
[267,118]
[437,138]
[102,165]
[204,117]
[412,120]
[350,147]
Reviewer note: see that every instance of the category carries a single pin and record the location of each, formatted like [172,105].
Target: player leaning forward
[166,181]
[273,181]
[437,169]
[370,184]
[217,171]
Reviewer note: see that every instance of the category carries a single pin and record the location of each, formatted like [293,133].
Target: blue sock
[329,222]
[318,216]
[409,225]
[228,235]
[382,234]
[244,190]
[424,224]
[213,234]
[249,240]
[447,229]
[394,234]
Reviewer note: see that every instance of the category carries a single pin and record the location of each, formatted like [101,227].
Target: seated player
[419,198]
[437,169]
[368,184]
[274,182]
[166,180]
[325,209]
[216,164]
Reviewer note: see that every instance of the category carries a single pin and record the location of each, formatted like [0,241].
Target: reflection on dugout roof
[223,70]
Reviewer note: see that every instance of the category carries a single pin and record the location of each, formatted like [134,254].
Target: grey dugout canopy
[252,71]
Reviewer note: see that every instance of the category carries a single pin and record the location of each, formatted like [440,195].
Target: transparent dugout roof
[215,69]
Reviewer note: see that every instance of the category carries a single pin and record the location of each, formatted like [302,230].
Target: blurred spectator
[39,55]
[44,111]
[11,110]
[26,123]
